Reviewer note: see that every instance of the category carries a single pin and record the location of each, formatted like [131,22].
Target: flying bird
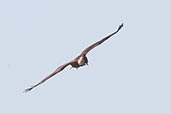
[79,61]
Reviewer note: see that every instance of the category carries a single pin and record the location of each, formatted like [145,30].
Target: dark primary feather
[101,41]
[49,76]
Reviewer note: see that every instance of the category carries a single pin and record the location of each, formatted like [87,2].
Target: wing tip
[28,89]
[120,26]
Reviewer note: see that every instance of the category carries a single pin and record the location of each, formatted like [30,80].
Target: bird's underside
[79,61]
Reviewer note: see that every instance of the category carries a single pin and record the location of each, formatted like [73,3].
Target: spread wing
[101,41]
[49,76]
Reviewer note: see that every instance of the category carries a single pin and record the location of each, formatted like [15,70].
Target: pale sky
[128,74]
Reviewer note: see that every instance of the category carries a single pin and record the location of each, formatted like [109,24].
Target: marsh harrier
[79,61]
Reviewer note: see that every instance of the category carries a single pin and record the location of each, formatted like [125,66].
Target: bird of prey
[79,61]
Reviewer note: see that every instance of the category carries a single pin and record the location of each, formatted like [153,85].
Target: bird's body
[79,61]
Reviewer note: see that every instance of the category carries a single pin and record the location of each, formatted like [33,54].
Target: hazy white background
[128,74]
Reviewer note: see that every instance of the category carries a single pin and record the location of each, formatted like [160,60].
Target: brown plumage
[79,61]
